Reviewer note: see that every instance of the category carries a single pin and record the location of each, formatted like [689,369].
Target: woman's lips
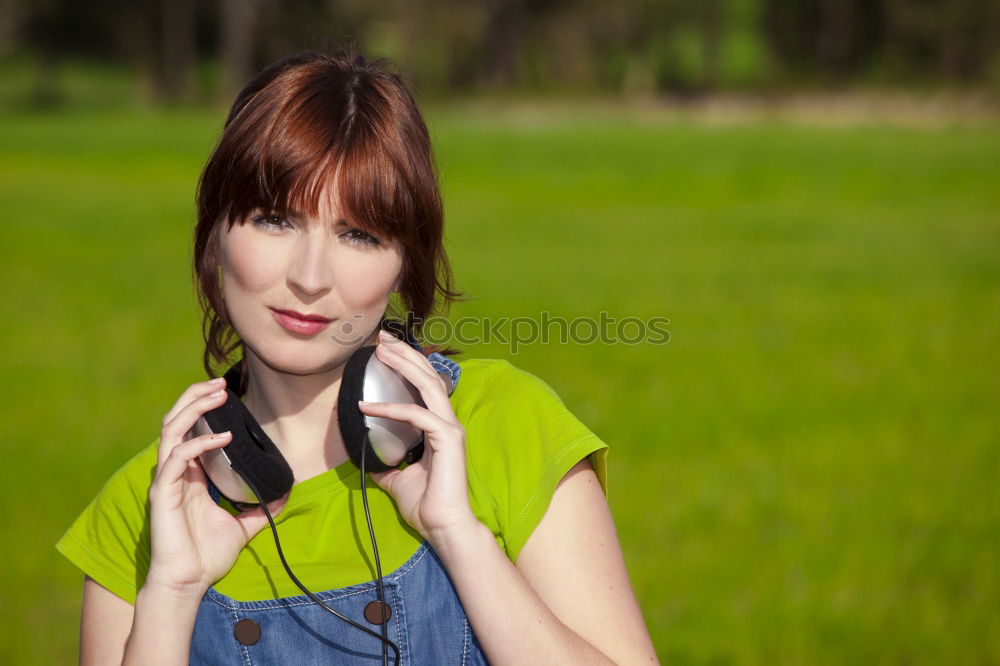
[293,324]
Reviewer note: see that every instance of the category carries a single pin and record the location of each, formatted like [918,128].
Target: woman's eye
[273,223]
[270,222]
[360,237]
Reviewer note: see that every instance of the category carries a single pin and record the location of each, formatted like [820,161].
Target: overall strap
[213,492]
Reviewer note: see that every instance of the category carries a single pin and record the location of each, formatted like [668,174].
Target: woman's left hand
[433,493]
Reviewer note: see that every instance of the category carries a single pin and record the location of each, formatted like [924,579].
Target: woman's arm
[580,573]
[105,622]
[193,543]
[157,630]
[568,600]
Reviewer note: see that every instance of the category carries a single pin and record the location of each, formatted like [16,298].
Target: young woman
[318,207]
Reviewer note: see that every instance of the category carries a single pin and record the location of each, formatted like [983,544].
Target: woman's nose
[311,266]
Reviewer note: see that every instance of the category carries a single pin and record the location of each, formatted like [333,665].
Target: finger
[431,388]
[176,463]
[254,521]
[435,428]
[384,479]
[421,361]
[192,392]
[195,485]
[387,481]
[388,352]
[174,431]
[397,346]
[195,475]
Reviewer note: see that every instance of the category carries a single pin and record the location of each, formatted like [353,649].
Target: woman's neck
[298,413]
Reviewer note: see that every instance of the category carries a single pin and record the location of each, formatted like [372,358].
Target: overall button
[247,631]
[373,615]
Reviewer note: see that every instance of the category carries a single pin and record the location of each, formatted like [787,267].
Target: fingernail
[217,380]
[217,393]
[362,403]
[385,335]
[222,435]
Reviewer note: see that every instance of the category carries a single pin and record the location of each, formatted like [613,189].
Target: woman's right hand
[194,542]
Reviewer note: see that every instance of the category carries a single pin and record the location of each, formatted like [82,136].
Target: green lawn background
[805,474]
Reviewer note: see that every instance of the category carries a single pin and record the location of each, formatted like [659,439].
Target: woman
[317,208]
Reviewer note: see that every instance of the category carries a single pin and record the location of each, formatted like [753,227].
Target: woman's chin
[304,361]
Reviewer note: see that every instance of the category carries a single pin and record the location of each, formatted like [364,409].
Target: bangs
[323,140]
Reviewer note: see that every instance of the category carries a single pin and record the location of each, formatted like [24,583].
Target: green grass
[805,474]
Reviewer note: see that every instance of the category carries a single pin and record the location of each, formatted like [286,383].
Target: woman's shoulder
[521,439]
[129,484]
[109,539]
[134,476]
[496,398]
[496,379]
[138,471]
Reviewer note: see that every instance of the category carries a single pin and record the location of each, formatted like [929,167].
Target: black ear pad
[352,422]
[252,454]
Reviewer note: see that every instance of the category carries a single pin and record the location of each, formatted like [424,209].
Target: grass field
[806,473]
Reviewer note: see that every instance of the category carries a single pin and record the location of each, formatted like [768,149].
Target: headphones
[250,470]
[252,457]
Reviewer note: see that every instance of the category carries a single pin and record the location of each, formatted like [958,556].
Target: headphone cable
[383,638]
[378,564]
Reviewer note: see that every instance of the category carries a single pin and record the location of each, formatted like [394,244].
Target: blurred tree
[294,25]
[836,36]
[502,42]
[50,30]
[957,39]
[711,39]
[11,17]
[237,37]
[829,38]
[173,81]
[674,46]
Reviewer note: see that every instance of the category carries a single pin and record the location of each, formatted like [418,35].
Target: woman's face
[322,266]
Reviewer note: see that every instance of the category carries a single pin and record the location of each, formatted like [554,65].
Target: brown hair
[311,119]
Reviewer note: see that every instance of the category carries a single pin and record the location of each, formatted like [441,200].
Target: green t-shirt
[520,441]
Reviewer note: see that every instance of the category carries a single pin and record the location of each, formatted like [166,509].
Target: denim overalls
[427,624]
[427,621]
